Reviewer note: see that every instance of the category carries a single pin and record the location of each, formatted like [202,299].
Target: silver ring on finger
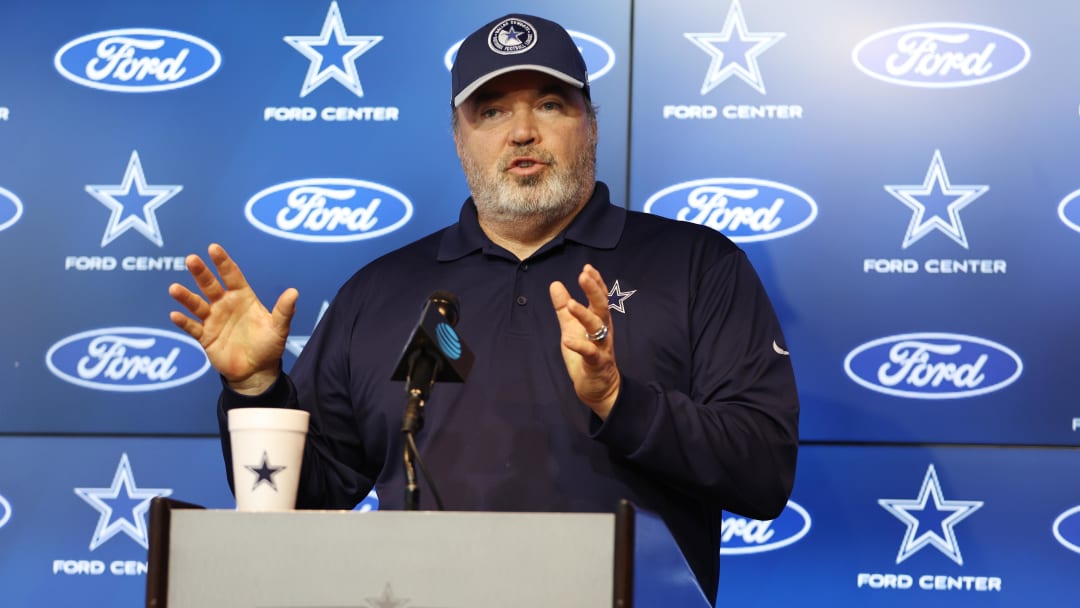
[598,335]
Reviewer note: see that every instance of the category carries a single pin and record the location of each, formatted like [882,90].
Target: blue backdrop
[902,176]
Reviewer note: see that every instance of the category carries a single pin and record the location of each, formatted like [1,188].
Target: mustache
[542,156]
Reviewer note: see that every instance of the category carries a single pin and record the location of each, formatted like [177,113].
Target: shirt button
[524,267]
[522,300]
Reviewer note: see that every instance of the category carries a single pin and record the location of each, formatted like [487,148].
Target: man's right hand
[242,339]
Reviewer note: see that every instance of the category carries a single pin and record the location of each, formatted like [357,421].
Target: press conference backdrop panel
[866,526]
[902,175]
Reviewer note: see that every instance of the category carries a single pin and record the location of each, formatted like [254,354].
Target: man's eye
[489,113]
[551,105]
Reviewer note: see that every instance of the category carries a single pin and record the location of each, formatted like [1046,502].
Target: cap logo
[512,36]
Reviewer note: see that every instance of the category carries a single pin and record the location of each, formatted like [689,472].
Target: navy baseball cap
[516,42]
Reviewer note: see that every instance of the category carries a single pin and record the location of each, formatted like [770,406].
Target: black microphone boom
[434,351]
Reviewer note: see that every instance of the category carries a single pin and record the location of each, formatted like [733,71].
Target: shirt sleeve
[734,438]
[332,475]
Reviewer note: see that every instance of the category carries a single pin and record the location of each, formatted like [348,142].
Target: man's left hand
[588,353]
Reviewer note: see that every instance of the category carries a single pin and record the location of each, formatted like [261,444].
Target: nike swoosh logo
[779,350]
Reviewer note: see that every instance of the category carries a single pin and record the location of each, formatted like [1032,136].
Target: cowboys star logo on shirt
[512,36]
[617,298]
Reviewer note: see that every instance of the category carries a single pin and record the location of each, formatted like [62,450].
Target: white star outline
[936,177]
[145,222]
[107,527]
[913,540]
[623,296]
[713,44]
[317,74]
[296,344]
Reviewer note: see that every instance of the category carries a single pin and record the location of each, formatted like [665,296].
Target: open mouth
[524,162]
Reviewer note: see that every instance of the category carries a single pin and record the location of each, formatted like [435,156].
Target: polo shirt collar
[598,225]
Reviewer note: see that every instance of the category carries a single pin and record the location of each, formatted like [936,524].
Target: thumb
[284,310]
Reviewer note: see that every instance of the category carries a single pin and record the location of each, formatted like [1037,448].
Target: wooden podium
[413,559]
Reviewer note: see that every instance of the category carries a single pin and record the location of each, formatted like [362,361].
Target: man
[670,387]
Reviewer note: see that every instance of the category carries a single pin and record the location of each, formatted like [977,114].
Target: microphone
[434,351]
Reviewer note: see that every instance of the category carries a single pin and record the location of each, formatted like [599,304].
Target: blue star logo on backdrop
[339,53]
[734,51]
[296,344]
[936,204]
[264,473]
[934,526]
[122,506]
[617,298]
[133,209]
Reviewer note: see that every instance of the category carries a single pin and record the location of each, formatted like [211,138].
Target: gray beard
[538,199]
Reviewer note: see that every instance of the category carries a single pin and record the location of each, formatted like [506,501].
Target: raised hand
[588,346]
[242,339]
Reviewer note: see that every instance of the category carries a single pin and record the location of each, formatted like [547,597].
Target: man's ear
[457,130]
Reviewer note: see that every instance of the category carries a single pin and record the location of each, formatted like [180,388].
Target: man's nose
[523,131]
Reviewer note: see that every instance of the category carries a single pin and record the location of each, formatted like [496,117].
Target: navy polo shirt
[706,418]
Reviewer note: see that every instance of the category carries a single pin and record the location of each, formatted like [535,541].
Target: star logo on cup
[264,472]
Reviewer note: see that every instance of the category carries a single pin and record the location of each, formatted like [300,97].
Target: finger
[560,298]
[588,350]
[227,268]
[590,323]
[187,324]
[206,281]
[189,300]
[595,290]
[284,310]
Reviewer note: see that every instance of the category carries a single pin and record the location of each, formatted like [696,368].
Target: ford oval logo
[127,359]
[744,209]
[1067,529]
[933,366]
[941,55]
[739,536]
[137,60]
[328,210]
[1068,212]
[598,55]
[11,208]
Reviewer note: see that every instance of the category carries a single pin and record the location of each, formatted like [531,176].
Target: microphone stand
[424,369]
[410,425]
